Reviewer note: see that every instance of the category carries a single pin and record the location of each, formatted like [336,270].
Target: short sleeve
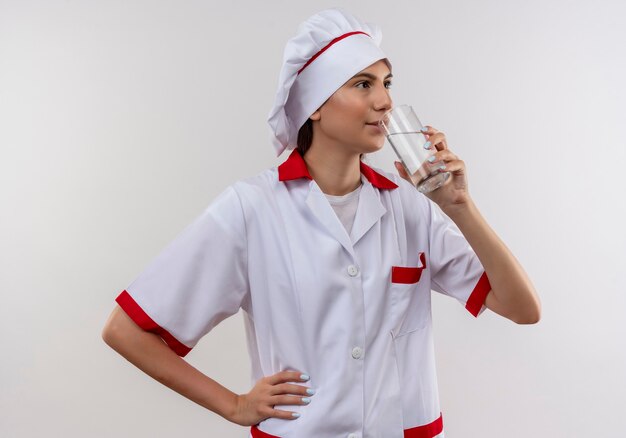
[197,280]
[455,268]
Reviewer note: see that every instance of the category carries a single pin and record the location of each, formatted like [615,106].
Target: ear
[316,115]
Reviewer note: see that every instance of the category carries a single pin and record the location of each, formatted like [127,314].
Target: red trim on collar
[376,178]
[295,167]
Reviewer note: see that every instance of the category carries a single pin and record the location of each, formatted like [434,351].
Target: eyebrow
[371,76]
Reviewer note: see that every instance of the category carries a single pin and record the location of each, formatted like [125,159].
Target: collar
[294,167]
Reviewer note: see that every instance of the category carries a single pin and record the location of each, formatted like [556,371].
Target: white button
[357,352]
[352,435]
[353,270]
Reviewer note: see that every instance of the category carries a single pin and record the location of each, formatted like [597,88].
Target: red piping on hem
[141,318]
[256,433]
[429,430]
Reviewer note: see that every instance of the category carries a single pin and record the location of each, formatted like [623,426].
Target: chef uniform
[343,295]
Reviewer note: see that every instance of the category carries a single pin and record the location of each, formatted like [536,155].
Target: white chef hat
[329,48]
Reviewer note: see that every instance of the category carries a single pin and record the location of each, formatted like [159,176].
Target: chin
[375,146]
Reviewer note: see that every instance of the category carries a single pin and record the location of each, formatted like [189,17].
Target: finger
[289,400]
[288,388]
[454,166]
[287,376]
[429,130]
[442,155]
[434,162]
[403,173]
[400,168]
[285,415]
[443,160]
[439,141]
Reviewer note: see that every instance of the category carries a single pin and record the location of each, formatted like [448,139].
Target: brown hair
[305,137]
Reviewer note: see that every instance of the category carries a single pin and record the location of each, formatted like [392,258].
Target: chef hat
[329,48]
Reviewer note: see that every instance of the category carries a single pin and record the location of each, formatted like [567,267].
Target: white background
[120,121]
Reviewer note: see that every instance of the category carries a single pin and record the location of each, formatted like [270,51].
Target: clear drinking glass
[403,131]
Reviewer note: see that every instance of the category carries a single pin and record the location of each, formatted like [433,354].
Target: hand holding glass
[403,131]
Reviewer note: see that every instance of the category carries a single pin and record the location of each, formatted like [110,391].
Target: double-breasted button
[353,270]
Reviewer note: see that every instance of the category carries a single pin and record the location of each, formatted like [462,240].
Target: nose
[382,99]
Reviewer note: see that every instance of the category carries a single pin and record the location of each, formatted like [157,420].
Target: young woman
[331,260]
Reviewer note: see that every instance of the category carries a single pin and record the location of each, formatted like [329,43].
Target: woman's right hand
[258,404]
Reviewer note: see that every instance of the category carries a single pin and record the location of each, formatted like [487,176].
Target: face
[345,119]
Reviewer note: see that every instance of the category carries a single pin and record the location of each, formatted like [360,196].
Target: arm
[193,284]
[512,295]
[148,352]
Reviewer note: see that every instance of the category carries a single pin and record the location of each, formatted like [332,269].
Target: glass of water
[403,131]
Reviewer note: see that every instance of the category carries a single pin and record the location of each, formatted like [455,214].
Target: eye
[387,84]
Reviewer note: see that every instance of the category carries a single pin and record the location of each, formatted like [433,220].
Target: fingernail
[295,414]
[432,158]
[306,400]
[427,145]
[310,391]
[424,129]
[304,377]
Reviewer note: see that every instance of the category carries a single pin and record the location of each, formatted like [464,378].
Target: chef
[331,260]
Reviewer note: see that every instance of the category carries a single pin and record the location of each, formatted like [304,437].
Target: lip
[377,122]
[375,126]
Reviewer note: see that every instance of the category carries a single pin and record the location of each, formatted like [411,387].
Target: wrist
[231,407]
[454,211]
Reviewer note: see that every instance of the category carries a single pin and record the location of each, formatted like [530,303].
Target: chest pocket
[408,274]
[410,297]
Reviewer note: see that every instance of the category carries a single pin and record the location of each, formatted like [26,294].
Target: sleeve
[197,280]
[456,270]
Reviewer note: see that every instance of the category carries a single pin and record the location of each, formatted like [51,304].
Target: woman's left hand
[454,192]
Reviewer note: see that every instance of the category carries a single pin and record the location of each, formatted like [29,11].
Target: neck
[336,172]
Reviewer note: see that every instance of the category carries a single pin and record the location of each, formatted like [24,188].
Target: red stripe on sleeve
[478,295]
[141,318]
[426,431]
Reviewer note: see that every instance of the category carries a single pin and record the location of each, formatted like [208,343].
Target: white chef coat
[351,310]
